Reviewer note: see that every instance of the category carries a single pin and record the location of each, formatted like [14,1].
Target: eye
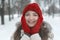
[27,14]
[35,14]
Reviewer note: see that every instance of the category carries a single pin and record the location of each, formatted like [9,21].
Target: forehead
[30,12]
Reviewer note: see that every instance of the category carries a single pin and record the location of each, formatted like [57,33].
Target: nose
[30,17]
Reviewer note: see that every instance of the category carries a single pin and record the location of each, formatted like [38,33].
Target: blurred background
[11,10]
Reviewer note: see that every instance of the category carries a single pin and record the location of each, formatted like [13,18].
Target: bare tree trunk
[59,3]
[23,4]
[9,10]
[2,13]
[12,11]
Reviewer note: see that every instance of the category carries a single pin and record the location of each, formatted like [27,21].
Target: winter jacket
[38,36]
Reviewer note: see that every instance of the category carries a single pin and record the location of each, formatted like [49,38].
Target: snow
[8,29]
[55,23]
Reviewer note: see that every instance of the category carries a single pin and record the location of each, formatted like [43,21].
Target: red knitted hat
[33,7]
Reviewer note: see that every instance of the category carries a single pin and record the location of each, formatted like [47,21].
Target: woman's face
[31,18]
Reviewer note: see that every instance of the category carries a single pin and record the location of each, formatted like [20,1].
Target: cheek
[26,18]
[36,18]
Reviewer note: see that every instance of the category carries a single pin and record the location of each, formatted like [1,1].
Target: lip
[31,22]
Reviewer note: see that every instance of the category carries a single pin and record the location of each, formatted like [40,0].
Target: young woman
[32,26]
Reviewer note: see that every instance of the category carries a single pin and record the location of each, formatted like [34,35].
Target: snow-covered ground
[7,30]
[55,23]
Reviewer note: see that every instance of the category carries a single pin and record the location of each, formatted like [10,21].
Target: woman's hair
[43,32]
[17,32]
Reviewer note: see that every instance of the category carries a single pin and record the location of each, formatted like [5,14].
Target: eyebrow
[35,13]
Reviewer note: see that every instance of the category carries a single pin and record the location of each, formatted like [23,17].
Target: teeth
[31,22]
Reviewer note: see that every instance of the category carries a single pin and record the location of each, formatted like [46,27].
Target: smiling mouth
[31,22]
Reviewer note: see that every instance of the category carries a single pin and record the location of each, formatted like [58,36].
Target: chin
[31,25]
